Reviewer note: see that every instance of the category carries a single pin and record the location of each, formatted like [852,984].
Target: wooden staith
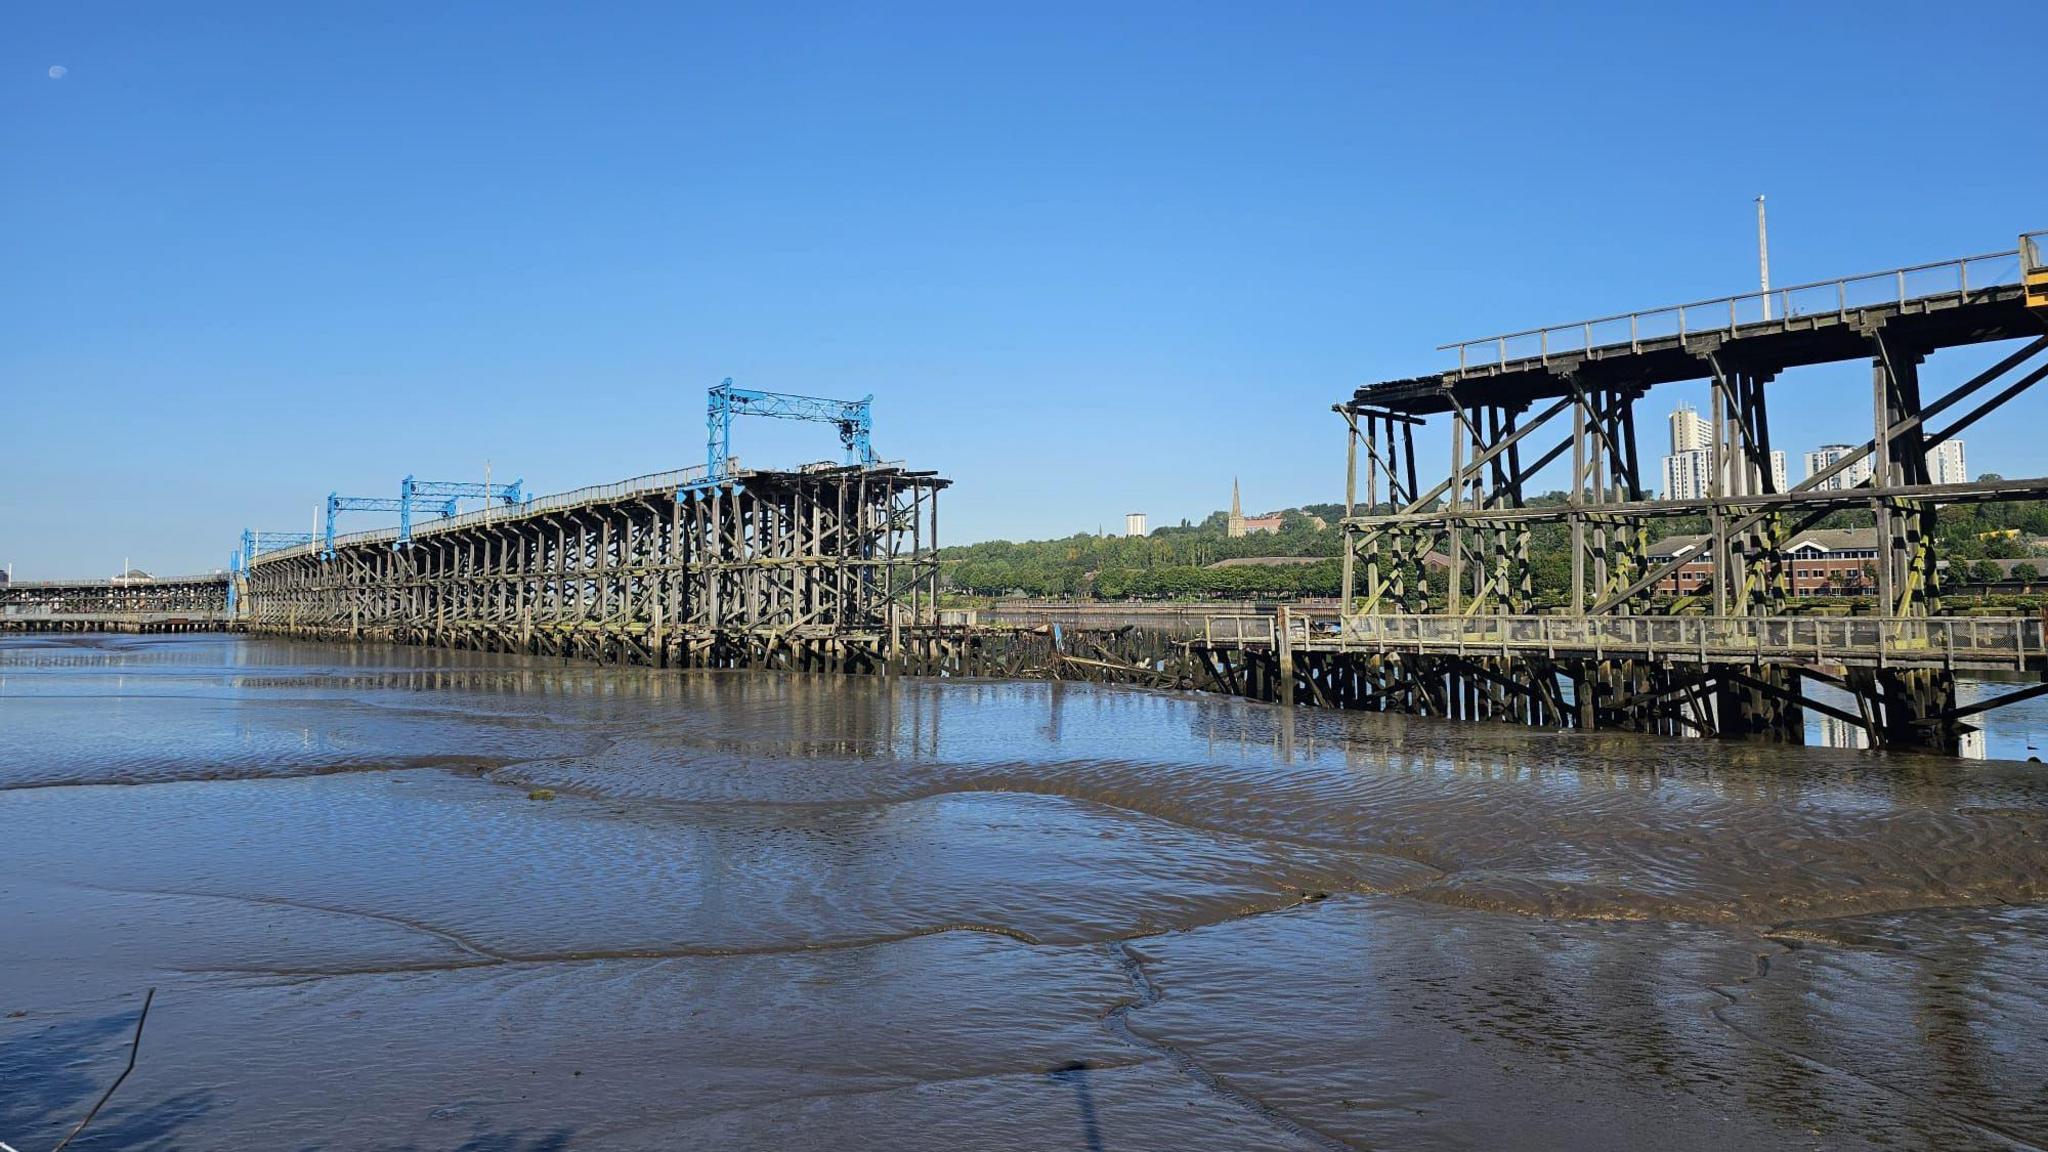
[815,569]
[1544,440]
[141,604]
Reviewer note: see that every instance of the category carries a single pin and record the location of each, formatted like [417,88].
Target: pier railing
[117,582]
[1965,641]
[1238,629]
[1898,286]
[653,482]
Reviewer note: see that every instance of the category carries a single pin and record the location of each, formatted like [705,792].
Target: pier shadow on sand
[1076,1073]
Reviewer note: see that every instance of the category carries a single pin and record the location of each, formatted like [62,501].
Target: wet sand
[794,912]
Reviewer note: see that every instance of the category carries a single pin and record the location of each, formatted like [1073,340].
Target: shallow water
[768,911]
[2017,731]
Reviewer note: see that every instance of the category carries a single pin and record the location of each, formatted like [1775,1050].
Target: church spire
[1236,505]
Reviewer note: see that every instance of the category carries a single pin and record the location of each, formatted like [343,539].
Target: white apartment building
[1824,457]
[1945,464]
[1689,475]
[1690,430]
[1134,523]
[1689,469]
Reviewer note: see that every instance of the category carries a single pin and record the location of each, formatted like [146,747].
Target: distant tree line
[1174,562]
[1171,563]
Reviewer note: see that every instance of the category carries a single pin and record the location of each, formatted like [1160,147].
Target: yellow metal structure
[2034,268]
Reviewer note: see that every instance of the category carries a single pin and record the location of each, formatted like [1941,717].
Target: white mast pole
[1763,256]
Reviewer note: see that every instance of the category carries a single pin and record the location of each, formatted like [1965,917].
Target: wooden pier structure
[833,567]
[825,568]
[138,604]
[1723,656]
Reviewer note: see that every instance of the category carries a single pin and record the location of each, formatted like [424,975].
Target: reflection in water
[773,911]
[2008,732]
[1835,732]
[1832,732]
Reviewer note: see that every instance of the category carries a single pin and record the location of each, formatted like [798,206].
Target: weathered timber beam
[1761,503]
[1984,705]
[1791,697]
[1463,475]
[1811,484]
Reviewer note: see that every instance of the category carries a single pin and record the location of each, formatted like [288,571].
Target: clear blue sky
[1089,258]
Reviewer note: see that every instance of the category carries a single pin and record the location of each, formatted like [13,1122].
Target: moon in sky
[57,71]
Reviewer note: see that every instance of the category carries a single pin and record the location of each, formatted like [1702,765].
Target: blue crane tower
[438,496]
[854,419]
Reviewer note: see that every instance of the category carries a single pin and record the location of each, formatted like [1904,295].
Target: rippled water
[772,912]
[2017,731]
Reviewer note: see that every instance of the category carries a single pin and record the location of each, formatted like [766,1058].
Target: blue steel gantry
[337,503]
[255,543]
[445,493]
[438,496]
[854,419]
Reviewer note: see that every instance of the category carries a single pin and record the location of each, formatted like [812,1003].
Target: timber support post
[1700,638]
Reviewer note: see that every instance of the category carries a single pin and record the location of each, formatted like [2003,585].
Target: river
[395,898]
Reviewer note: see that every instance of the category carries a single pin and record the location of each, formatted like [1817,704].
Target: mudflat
[398,898]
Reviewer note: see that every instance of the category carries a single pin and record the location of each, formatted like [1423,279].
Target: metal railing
[653,482]
[115,582]
[368,535]
[1238,629]
[668,481]
[142,615]
[1726,314]
[2000,640]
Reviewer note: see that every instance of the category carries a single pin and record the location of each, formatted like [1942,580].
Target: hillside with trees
[1178,562]
[1173,562]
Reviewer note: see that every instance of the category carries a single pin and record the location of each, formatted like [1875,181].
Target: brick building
[1822,562]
